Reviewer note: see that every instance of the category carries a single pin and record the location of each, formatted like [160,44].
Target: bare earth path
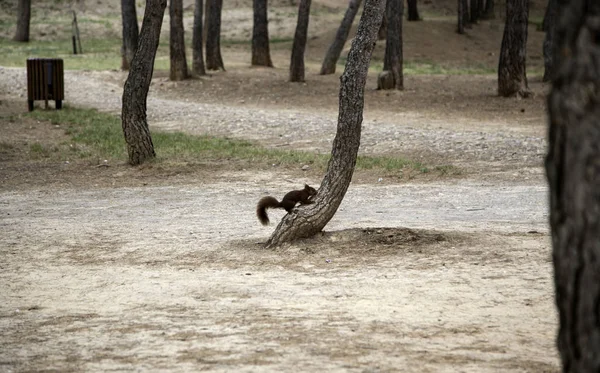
[174,279]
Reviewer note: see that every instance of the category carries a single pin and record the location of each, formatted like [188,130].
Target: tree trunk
[179,69]
[334,51]
[392,76]
[307,221]
[23,19]
[214,61]
[461,21]
[475,11]
[382,29]
[512,76]
[261,56]
[550,22]
[488,13]
[466,14]
[413,11]
[130,32]
[197,56]
[297,62]
[573,171]
[135,91]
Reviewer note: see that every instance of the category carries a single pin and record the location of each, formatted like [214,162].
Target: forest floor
[161,268]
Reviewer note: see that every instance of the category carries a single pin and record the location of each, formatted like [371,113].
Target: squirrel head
[311,191]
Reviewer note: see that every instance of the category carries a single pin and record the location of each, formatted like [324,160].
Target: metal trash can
[45,81]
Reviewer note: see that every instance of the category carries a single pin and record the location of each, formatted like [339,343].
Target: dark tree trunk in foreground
[261,56]
[179,69]
[197,55]
[573,171]
[297,62]
[135,92]
[23,19]
[334,51]
[130,32]
[461,21]
[392,76]
[214,61]
[413,11]
[308,221]
[475,11]
[550,22]
[466,14]
[512,77]
[488,13]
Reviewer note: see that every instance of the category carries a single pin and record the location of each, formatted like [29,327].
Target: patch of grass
[99,135]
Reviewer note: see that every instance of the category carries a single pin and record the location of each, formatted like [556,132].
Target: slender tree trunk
[382,29]
[23,19]
[413,11]
[308,221]
[392,76]
[573,171]
[261,56]
[550,21]
[214,61]
[461,21]
[179,69]
[297,62]
[466,14]
[512,76]
[488,13]
[135,92]
[334,51]
[475,11]
[197,56]
[130,32]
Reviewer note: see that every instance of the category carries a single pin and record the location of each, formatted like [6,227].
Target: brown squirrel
[288,202]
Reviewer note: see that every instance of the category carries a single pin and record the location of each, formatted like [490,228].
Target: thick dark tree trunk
[512,76]
[130,32]
[475,11]
[297,62]
[488,13]
[461,21]
[261,56]
[135,92]
[550,22]
[214,61]
[308,221]
[382,29]
[23,19]
[573,170]
[413,11]
[334,51]
[197,55]
[179,69]
[392,76]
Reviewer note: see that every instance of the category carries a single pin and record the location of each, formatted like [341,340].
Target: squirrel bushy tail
[263,205]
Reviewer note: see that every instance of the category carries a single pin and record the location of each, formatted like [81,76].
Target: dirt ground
[161,268]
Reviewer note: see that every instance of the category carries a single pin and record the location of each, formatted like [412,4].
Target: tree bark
[382,29]
[23,20]
[550,22]
[573,171]
[392,76]
[475,11]
[179,69]
[489,13]
[307,221]
[413,11]
[461,21]
[130,32]
[334,51]
[261,56]
[197,56]
[214,61]
[297,61]
[135,91]
[512,76]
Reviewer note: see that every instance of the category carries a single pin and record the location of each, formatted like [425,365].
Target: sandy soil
[158,269]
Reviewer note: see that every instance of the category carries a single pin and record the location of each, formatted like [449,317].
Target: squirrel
[288,202]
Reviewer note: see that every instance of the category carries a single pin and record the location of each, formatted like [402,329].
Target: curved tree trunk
[392,76]
[512,76]
[334,51]
[214,61]
[413,11]
[197,55]
[309,220]
[23,20]
[573,171]
[261,56]
[179,69]
[550,26]
[135,92]
[489,13]
[130,32]
[297,62]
